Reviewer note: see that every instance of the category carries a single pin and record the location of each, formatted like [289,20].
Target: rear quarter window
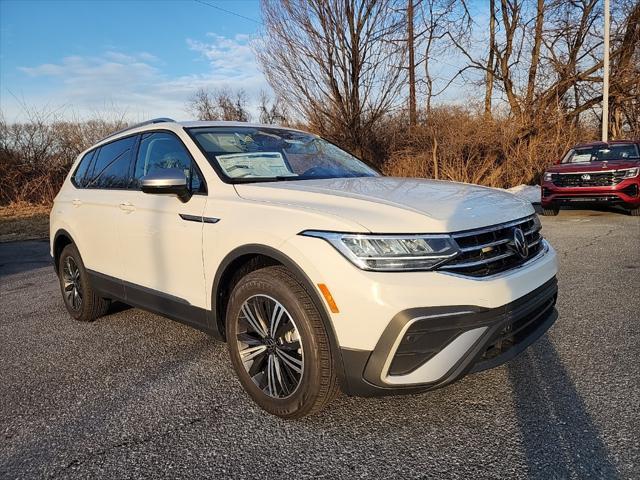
[80,176]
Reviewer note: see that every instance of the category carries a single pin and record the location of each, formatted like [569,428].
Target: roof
[604,144]
[169,122]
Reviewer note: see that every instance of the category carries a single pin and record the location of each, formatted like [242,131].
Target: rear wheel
[550,211]
[278,344]
[81,300]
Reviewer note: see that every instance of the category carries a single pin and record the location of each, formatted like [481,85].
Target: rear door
[95,202]
[161,236]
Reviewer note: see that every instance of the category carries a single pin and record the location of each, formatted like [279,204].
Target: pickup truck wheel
[550,211]
[81,300]
[278,344]
[634,212]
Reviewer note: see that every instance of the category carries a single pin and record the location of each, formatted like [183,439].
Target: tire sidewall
[257,283]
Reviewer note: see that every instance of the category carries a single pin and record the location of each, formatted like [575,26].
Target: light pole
[605,77]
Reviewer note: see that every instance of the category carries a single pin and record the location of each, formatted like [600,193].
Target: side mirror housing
[167,181]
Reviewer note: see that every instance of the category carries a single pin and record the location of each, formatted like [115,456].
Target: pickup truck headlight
[390,252]
[548,176]
[631,172]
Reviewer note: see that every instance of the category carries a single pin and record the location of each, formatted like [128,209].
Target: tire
[634,212]
[550,211]
[303,381]
[86,306]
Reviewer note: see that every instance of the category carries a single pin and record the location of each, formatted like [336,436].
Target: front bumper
[625,193]
[426,348]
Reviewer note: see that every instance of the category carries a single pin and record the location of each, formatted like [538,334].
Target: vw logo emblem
[519,243]
[585,176]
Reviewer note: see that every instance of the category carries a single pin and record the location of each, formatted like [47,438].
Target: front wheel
[278,344]
[634,212]
[550,211]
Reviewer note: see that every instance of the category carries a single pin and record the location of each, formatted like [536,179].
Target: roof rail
[141,124]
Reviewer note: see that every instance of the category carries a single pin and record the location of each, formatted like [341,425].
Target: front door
[161,236]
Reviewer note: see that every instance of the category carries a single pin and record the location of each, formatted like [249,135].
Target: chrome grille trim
[487,251]
[477,231]
[596,178]
[490,244]
[479,262]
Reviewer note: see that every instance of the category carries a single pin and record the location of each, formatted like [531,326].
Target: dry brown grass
[462,145]
[24,221]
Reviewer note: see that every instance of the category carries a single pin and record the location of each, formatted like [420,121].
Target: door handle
[127,207]
[76,202]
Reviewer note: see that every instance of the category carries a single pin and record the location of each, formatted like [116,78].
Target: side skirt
[169,306]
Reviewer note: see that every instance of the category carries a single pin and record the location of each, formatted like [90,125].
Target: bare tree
[272,111]
[490,70]
[413,117]
[438,19]
[338,63]
[220,104]
[548,59]
[624,96]
[203,105]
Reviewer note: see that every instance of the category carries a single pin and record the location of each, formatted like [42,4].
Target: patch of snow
[530,193]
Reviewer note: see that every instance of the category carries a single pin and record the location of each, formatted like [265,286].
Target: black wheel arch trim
[59,233]
[300,275]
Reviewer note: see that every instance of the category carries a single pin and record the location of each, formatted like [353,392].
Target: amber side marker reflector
[329,298]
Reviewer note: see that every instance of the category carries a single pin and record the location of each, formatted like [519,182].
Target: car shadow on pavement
[560,438]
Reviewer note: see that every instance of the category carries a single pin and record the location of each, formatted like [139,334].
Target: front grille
[590,179]
[518,329]
[631,190]
[513,322]
[491,250]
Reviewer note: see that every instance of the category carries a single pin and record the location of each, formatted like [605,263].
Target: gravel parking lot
[134,395]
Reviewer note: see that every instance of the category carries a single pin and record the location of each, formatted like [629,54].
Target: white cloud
[137,83]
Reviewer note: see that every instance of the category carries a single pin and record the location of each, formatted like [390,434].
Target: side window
[161,150]
[112,165]
[80,176]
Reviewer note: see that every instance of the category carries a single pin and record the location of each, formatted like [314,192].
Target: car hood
[395,205]
[593,166]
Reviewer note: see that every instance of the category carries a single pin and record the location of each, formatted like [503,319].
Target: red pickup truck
[594,173]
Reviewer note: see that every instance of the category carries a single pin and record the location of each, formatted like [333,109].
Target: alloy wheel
[72,285]
[269,346]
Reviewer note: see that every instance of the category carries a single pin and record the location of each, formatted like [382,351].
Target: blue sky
[142,58]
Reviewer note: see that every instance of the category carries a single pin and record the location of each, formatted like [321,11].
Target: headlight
[390,252]
[548,176]
[631,173]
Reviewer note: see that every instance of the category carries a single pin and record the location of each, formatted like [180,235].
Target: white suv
[318,272]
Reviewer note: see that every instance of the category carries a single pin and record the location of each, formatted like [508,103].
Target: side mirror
[167,181]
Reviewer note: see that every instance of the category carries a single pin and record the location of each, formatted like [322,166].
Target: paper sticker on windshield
[257,164]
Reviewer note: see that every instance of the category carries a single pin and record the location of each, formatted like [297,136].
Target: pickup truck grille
[491,250]
[595,179]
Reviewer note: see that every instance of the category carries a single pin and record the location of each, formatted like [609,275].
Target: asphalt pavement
[134,395]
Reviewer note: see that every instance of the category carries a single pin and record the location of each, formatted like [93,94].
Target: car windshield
[257,154]
[622,151]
